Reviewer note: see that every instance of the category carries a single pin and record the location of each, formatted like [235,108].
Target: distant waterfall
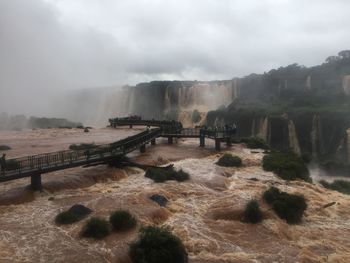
[346,84]
[167,103]
[264,129]
[316,136]
[293,138]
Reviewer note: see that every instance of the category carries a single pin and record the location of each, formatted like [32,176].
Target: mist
[50,49]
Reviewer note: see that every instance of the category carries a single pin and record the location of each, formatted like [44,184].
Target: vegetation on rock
[160,175]
[97,228]
[73,214]
[338,185]
[287,206]
[4,148]
[157,245]
[255,143]
[286,165]
[229,160]
[252,212]
[122,220]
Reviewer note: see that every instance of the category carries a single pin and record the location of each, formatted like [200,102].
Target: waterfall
[236,89]
[253,128]
[293,138]
[347,141]
[346,84]
[316,136]
[308,82]
[167,103]
[264,128]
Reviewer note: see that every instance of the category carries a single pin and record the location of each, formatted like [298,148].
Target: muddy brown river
[205,212]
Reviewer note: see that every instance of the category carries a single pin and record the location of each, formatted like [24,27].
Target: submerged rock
[159,199]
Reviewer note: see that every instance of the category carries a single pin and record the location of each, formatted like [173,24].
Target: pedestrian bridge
[35,165]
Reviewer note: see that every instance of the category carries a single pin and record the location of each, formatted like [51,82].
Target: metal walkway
[35,165]
[44,163]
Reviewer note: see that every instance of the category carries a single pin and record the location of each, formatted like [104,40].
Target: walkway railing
[63,159]
[43,163]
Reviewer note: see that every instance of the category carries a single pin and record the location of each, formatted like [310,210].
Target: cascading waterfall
[308,82]
[347,138]
[293,138]
[167,103]
[316,136]
[236,89]
[346,84]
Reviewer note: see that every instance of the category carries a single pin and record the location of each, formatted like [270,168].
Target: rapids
[204,212]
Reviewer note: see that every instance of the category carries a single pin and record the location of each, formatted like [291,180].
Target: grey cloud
[51,45]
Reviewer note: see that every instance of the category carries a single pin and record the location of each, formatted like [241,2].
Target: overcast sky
[50,45]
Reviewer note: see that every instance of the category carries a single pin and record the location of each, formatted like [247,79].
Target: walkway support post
[201,141]
[143,148]
[153,141]
[170,140]
[130,126]
[35,182]
[228,141]
[217,144]
[201,138]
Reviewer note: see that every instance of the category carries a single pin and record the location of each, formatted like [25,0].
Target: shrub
[307,158]
[96,228]
[286,165]
[228,160]
[180,175]
[287,206]
[338,185]
[196,117]
[160,175]
[157,245]
[252,212]
[66,217]
[255,143]
[122,220]
[74,214]
[4,148]
[271,195]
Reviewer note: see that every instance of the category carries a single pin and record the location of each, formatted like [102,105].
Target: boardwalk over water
[36,165]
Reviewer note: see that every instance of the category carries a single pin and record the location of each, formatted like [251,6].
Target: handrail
[67,157]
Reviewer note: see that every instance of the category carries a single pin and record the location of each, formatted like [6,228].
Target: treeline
[19,122]
[297,86]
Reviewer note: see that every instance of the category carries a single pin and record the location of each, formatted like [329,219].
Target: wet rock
[253,179]
[159,199]
[51,198]
[80,210]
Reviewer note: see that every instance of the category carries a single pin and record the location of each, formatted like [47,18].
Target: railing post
[201,138]
[217,144]
[201,141]
[143,148]
[170,140]
[228,141]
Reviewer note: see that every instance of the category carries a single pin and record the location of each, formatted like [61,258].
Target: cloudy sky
[50,45]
